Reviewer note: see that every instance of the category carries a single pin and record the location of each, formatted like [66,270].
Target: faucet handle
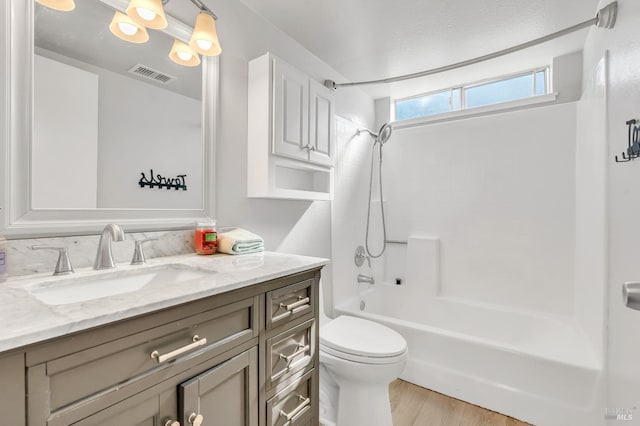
[360,256]
[138,253]
[63,267]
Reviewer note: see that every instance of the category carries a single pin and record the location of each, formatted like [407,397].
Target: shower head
[382,136]
[384,133]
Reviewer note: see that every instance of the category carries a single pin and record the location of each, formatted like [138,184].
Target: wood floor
[412,405]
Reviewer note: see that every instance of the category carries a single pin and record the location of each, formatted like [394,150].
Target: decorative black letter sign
[162,182]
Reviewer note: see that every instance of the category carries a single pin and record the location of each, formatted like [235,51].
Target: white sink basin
[68,290]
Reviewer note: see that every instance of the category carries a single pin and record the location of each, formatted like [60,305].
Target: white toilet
[358,360]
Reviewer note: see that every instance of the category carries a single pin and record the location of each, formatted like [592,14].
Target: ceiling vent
[151,74]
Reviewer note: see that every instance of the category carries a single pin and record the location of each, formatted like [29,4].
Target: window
[519,86]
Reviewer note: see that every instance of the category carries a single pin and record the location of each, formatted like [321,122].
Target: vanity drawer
[294,405]
[290,352]
[78,375]
[289,303]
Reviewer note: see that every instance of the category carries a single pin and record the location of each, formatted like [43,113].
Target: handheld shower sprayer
[380,139]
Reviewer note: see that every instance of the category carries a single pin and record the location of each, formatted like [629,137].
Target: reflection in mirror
[105,111]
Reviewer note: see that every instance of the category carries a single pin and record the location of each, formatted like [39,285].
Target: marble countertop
[26,320]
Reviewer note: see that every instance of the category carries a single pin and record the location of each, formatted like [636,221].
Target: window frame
[462,93]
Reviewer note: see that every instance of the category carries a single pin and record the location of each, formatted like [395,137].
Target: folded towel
[239,241]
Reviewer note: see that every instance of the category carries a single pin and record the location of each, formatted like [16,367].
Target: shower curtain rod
[605,18]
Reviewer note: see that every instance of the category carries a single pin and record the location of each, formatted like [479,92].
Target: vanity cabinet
[212,361]
[291,132]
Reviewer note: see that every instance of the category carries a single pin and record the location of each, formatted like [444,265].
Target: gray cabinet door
[226,395]
[148,408]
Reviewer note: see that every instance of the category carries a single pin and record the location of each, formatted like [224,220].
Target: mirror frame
[17,217]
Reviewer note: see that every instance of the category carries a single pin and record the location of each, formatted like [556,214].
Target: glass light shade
[204,39]
[127,29]
[148,13]
[62,5]
[182,54]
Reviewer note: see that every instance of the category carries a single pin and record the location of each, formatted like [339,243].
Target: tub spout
[366,279]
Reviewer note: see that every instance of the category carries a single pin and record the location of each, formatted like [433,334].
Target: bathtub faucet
[366,279]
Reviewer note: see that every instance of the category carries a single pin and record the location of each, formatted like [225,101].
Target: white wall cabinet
[321,124]
[291,136]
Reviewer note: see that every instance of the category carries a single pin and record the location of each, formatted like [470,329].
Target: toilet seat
[359,340]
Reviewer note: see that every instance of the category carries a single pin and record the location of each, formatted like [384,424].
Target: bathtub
[536,368]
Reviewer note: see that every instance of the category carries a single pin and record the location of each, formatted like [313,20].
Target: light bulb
[182,54]
[185,56]
[146,14]
[204,44]
[127,28]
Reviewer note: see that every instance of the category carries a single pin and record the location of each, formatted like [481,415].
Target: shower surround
[483,213]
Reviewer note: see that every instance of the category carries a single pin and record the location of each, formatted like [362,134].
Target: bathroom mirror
[88,114]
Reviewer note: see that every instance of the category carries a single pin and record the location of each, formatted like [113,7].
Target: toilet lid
[361,337]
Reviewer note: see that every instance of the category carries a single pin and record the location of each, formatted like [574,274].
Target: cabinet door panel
[321,124]
[224,395]
[144,409]
[291,111]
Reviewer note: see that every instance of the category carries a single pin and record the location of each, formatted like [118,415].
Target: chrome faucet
[366,279]
[104,257]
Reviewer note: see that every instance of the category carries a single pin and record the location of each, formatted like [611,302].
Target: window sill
[479,111]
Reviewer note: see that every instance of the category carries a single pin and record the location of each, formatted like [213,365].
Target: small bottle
[206,237]
[3,259]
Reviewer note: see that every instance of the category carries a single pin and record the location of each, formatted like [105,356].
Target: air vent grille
[151,74]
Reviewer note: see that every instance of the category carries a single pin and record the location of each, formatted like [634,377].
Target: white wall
[498,191]
[300,227]
[623,201]
[63,162]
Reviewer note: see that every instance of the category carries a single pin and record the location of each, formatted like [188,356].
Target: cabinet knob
[196,419]
[170,422]
[310,147]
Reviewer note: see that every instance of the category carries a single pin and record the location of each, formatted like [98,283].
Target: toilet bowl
[358,360]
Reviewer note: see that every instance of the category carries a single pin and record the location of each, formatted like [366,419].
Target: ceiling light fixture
[148,13]
[125,28]
[204,39]
[61,5]
[182,54]
[143,14]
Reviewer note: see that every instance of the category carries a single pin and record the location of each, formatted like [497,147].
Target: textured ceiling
[372,39]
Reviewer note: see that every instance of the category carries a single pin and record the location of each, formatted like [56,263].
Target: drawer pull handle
[304,404]
[197,342]
[196,419]
[300,351]
[301,302]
